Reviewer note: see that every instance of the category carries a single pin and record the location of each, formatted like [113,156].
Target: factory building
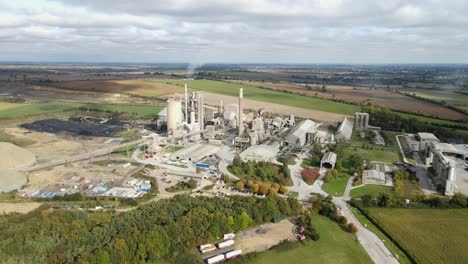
[328,160]
[263,152]
[374,177]
[302,134]
[425,138]
[174,114]
[195,152]
[361,121]
[345,130]
[443,173]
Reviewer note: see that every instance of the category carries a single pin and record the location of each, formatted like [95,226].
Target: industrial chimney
[186,107]
[241,94]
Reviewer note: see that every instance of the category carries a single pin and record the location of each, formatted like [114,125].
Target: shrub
[352,228]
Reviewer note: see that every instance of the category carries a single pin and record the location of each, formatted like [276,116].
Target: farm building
[345,130]
[301,134]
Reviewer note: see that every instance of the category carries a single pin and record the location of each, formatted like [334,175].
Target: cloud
[304,31]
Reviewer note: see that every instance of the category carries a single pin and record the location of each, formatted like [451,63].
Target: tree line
[166,231]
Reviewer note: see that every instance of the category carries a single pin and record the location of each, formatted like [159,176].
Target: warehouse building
[262,152]
[195,152]
[301,134]
[374,177]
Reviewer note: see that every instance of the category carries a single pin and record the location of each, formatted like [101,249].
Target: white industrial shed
[302,133]
[263,152]
[345,130]
[195,152]
[328,160]
[373,177]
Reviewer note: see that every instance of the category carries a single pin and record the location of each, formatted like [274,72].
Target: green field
[337,187]
[402,258]
[370,155]
[428,235]
[334,246]
[456,99]
[371,189]
[266,95]
[34,109]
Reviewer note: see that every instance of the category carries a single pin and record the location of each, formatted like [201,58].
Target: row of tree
[166,231]
[259,187]
[261,171]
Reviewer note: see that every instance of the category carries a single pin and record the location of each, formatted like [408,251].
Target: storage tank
[174,113]
[215,259]
[226,244]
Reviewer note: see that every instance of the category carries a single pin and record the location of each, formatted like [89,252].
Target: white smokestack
[186,99]
[241,95]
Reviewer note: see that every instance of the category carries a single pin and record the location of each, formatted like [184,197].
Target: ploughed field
[379,97]
[428,235]
[140,87]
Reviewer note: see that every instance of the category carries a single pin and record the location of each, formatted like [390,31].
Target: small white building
[328,160]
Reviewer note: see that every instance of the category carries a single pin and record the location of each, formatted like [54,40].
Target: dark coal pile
[74,126]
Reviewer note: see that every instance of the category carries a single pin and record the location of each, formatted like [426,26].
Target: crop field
[334,246]
[428,235]
[140,87]
[370,189]
[265,95]
[456,99]
[358,95]
[20,110]
[34,109]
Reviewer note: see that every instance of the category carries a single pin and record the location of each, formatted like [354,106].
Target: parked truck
[215,259]
[226,244]
[233,254]
[207,248]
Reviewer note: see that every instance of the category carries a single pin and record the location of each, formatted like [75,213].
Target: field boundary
[381,229]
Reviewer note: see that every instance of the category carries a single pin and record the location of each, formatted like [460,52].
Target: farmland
[428,235]
[139,87]
[378,97]
[456,99]
[265,95]
[9,110]
[334,246]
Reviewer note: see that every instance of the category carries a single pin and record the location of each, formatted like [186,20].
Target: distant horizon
[227,63]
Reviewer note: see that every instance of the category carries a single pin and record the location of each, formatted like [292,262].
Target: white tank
[174,113]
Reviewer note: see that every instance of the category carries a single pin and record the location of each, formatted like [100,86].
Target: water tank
[174,113]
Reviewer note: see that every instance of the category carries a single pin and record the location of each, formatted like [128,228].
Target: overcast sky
[270,31]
